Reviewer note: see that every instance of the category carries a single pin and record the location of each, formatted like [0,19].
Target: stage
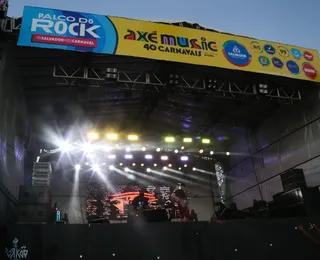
[242,239]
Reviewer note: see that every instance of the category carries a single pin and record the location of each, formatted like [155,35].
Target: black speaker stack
[34,204]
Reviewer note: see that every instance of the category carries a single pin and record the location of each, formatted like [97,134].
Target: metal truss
[11,25]
[138,81]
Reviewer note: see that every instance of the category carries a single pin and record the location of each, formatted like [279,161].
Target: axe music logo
[67,30]
[173,44]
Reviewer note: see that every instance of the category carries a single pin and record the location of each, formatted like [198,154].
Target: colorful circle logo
[308,56]
[264,61]
[296,54]
[309,70]
[284,52]
[269,49]
[293,67]
[236,53]
[277,63]
[256,47]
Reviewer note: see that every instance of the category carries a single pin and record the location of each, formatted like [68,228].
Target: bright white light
[193,169]
[184,158]
[179,168]
[128,156]
[87,148]
[148,156]
[164,158]
[111,167]
[77,167]
[95,167]
[211,152]
[227,153]
[164,168]
[128,149]
[126,169]
[176,151]
[111,156]
[65,147]
[131,177]
[148,170]
[158,149]
[143,149]
[185,166]
[90,155]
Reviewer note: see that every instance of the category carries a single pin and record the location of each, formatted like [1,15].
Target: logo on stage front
[309,70]
[277,63]
[236,53]
[16,252]
[264,61]
[269,49]
[296,53]
[293,67]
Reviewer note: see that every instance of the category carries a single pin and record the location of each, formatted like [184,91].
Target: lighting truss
[10,25]
[137,81]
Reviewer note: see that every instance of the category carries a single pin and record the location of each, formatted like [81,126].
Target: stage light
[201,151]
[77,167]
[93,136]
[95,167]
[65,147]
[112,156]
[121,164]
[206,141]
[148,156]
[169,139]
[126,169]
[179,168]
[111,167]
[185,166]
[133,137]
[143,149]
[87,148]
[176,151]
[263,89]
[128,156]
[128,150]
[187,140]
[112,137]
[164,168]
[164,158]
[211,152]
[182,147]
[142,164]
[227,153]
[155,165]
[170,165]
[184,158]
[86,163]
[148,170]
[158,149]
[193,169]
[133,164]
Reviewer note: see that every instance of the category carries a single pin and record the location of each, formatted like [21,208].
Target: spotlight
[170,165]
[169,139]
[121,164]
[187,140]
[184,158]
[227,153]
[95,167]
[143,149]
[86,163]
[179,168]
[65,147]
[185,166]
[164,158]
[133,137]
[111,167]
[176,151]
[112,137]
[128,156]
[155,165]
[164,168]
[193,168]
[77,167]
[93,136]
[158,149]
[142,164]
[201,151]
[112,156]
[211,152]
[87,148]
[128,150]
[182,147]
[148,156]
[126,169]
[133,164]
[148,170]
[206,141]
[263,89]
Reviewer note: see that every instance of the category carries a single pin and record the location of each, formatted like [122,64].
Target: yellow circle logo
[284,52]
[256,47]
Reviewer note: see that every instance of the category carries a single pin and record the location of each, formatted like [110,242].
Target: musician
[179,195]
[140,202]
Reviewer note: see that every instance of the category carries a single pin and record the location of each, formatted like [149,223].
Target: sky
[293,22]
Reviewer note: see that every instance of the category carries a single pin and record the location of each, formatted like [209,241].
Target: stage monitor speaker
[34,194]
[33,213]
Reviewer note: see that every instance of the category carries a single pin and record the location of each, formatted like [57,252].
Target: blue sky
[287,21]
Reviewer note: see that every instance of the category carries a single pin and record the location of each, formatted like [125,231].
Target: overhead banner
[74,31]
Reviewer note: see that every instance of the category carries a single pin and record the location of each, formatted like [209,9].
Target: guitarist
[179,196]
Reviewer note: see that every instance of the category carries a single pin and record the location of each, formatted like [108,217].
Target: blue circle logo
[236,53]
[277,62]
[269,49]
[296,54]
[293,67]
